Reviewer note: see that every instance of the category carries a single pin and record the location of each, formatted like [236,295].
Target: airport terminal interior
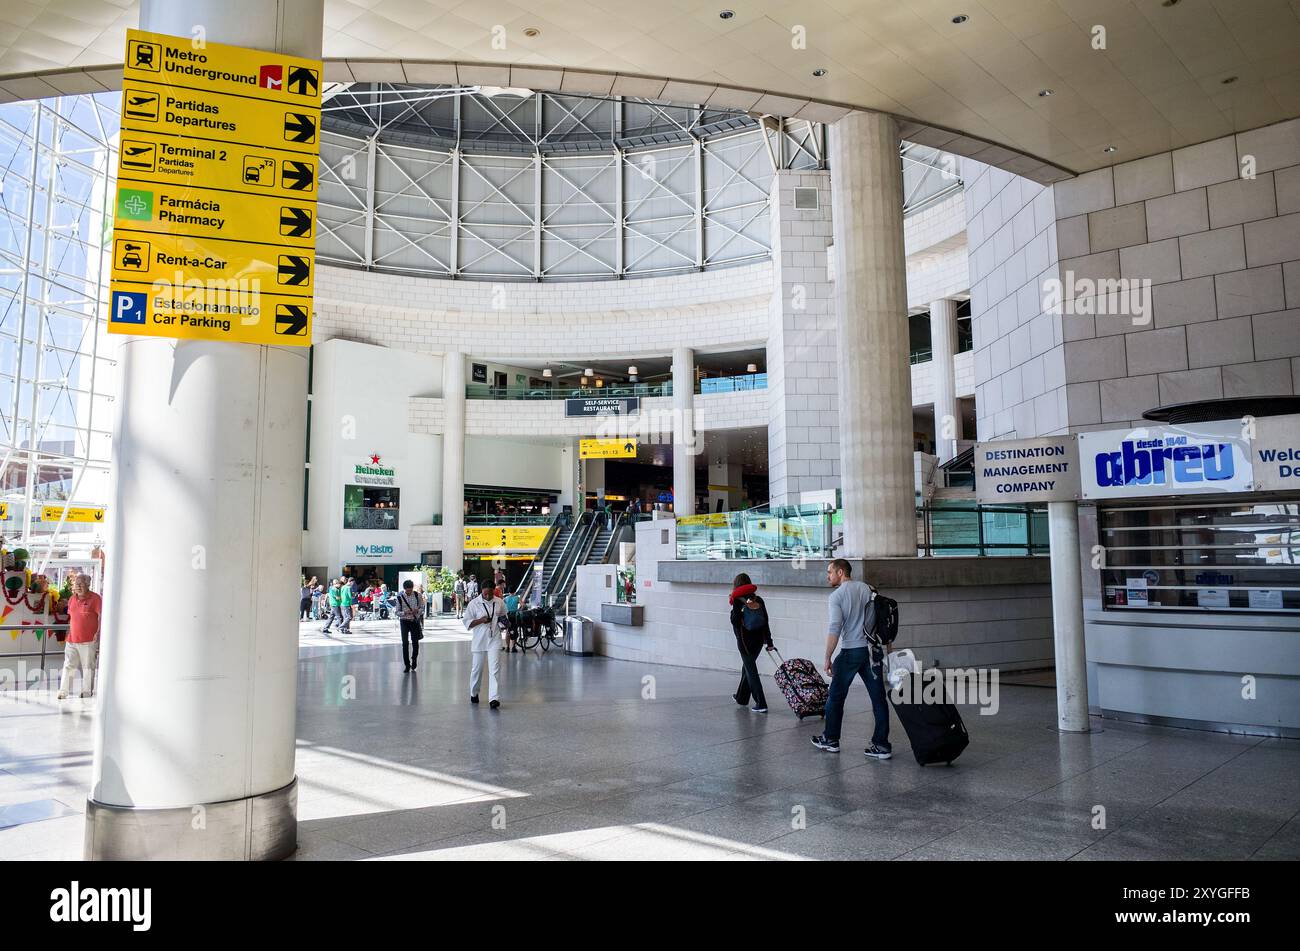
[460,431]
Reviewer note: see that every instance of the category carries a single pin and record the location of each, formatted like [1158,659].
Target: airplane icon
[141,105]
[138,155]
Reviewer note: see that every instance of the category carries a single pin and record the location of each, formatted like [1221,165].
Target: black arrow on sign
[297,176]
[303,81]
[291,320]
[628,447]
[295,222]
[99,516]
[293,269]
[299,128]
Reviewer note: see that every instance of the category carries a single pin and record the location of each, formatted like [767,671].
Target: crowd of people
[490,615]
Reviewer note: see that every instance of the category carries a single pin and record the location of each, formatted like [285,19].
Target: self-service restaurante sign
[1221,456]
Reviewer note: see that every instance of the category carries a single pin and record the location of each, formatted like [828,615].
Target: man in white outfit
[482,618]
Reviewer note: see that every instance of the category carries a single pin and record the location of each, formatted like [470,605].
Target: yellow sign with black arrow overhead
[54,513]
[607,449]
[215,225]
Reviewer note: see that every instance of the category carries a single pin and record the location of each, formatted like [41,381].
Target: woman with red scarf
[749,623]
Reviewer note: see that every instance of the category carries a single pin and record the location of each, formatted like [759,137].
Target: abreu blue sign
[1166,460]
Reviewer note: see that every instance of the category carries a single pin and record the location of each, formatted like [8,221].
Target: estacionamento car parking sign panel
[214,228]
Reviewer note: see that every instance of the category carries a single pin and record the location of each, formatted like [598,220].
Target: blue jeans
[850,663]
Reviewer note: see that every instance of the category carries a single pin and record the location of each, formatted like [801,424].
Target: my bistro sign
[1222,456]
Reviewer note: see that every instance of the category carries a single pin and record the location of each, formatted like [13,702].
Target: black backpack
[882,619]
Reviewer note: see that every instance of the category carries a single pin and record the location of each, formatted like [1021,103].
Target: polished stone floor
[592,758]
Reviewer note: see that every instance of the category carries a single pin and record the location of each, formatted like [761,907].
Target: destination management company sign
[1028,470]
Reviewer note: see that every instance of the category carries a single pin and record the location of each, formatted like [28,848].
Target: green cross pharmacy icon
[135,203]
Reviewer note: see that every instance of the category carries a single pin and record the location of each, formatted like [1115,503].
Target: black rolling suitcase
[935,729]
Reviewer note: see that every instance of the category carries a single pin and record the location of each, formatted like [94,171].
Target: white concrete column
[197,688]
[943,347]
[684,441]
[1067,618]
[875,396]
[453,460]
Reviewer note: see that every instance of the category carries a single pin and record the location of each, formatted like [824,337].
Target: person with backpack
[852,626]
[750,625]
[410,617]
[458,593]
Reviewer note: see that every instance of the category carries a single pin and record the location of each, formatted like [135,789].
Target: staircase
[553,555]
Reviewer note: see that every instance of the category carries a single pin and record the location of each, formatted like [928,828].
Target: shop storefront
[1189,549]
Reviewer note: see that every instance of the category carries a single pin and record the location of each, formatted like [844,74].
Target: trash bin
[579,635]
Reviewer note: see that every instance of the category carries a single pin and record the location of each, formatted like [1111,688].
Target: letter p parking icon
[127,308]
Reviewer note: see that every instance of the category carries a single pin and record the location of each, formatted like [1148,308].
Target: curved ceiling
[1169,72]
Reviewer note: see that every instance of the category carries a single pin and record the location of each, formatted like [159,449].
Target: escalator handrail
[576,551]
[568,554]
[526,582]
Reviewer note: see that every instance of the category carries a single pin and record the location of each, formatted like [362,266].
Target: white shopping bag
[900,664]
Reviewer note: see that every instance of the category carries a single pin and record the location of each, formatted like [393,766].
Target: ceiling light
[600,383]
[819,71]
[589,372]
[492,91]
[960,18]
[631,371]
[1109,148]
[751,368]
[727,14]
[532,31]
[547,373]
[1046,92]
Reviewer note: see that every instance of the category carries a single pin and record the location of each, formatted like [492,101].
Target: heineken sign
[374,473]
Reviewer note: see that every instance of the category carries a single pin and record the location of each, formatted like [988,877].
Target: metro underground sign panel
[215,224]
[1154,461]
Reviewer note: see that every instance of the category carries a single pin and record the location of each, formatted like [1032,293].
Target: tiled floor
[591,758]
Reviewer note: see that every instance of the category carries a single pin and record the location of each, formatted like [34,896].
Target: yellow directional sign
[215,215]
[152,258]
[510,537]
[150,157]
[4,511]
[221,117]
[53,513]
[210,214]
[607,449]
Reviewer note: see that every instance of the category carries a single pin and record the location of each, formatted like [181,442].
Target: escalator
[597,545]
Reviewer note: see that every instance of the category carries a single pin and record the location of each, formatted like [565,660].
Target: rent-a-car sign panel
[1157,460]
[214,232]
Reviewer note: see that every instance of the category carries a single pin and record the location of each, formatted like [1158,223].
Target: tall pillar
[453,460]
[803,443]
[1067,618]
[943,346]
[875,406]
[684,431]
[194,741]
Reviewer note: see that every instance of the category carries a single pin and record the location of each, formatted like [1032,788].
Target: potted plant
[440,581]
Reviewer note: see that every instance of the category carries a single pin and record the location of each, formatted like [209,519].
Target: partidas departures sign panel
[214,229]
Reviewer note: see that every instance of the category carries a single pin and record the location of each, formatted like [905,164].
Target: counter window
[369,507]
[1239,557]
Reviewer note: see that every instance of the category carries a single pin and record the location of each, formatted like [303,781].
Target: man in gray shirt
[850,610]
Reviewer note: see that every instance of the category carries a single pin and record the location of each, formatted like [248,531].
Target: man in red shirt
[84,610]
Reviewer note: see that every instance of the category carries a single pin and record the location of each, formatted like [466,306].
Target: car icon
[131,256]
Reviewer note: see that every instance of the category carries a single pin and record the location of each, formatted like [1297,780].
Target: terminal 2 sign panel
[214,231]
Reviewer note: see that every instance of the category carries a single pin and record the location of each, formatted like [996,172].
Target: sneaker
[830,746]
[474,698]
[759,709]
[494,704]
[877,752]
[63,695]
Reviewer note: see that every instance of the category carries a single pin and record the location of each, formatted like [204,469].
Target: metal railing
[575,553]
[539,557]
[31,628]
[485,391]
[957,529]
